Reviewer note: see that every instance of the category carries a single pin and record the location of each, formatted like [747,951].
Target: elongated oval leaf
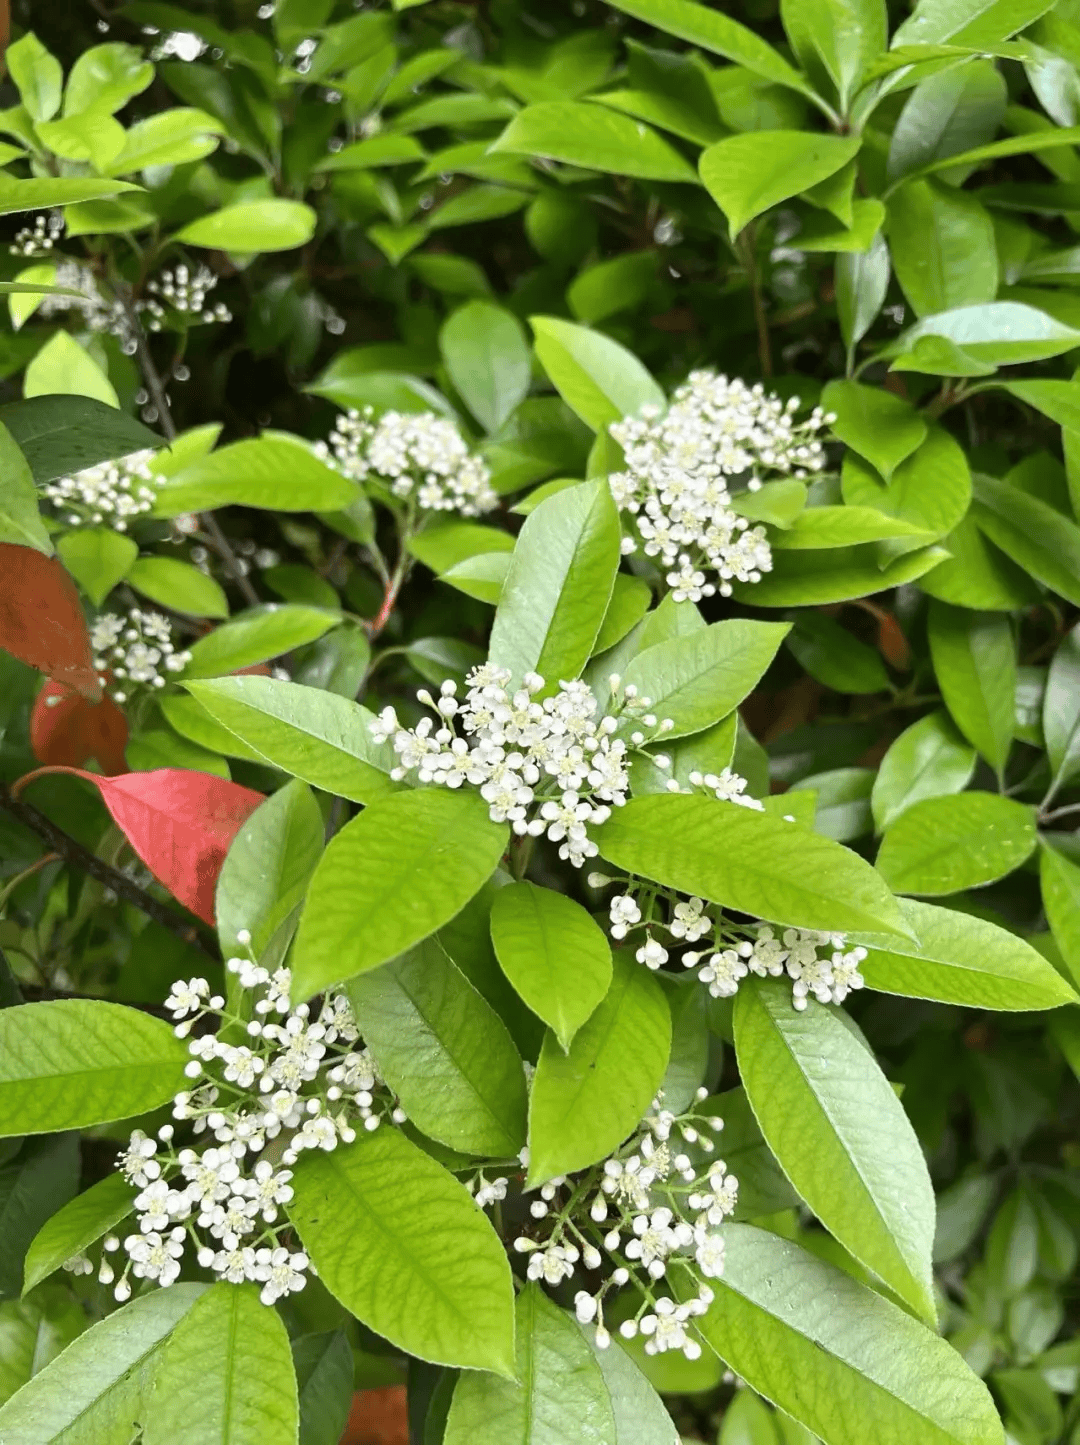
[557,590]
[595,138]
[41,619]
[963,960]
[78,1224]
[929,759]
[597,378]
[275,472]
[487,356]
[71,1063]
[974,657]
[1036,536]
[837,1356]
[407,865]
[1059,881]
[586,1101]
[1061,717]
[404,1248]
[750,861]
[226,1377]
[748,174]
[553,953]
[252,226]
[444,1051]
[943,845]
[840,1134]
[254,636]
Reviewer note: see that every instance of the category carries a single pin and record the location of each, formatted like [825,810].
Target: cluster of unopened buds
[109,494]
[417,455]
[179,290]
[647,1215]
[40,238]
[185,291]
[550,766]
[271,1082]
[678,466]
[134,650]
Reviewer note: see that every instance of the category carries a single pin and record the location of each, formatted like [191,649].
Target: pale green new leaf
[974,23]
[586,1101]
[179,586]
[641,1417]
[597,378]
[276,472]
[974,659]
[883,428]
[944,845]
[444,1051]
[404,1248]
[78,1224]
[750,861]
[407,865]
[487,357]
[928,760]
[840,1134]
[748,174]
[559,1394]
[251,227]
[46,191]
[20,521]
[254,636]
[848,1364]
[595,138]
[71,1063]
[964,960]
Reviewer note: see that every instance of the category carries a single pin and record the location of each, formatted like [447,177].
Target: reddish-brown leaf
[378,1417]
[70,730]
[892,642]
[41,619]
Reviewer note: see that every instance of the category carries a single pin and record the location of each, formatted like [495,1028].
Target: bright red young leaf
[41,619]
[68,729]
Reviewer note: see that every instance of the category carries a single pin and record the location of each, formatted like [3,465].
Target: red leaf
[41,619]
[68,729]
[892,642]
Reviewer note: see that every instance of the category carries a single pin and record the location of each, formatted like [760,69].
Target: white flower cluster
[676,480]
[41,237]
[109,493]
[296,1082]
[185,291]
[135,650]
[417,455]
[178,289]
[555,757]
[648,1208]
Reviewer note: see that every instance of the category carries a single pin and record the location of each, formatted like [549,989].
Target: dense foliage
[540,721]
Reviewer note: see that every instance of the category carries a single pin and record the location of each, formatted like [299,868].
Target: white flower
[187,997]
[280,1272]
[235,1263]
[652,954]
[415,454]
[136,649]
[211,1174]
[709,1255]
[723,972]
[624,913]
[268,1188]
[553,1264]
[137,1162]
[156,1257]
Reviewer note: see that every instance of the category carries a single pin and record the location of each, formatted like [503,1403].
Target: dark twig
[76,856]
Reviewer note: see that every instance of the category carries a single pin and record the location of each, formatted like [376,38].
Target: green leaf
[883,428]
[486,354]
[641,1417]
[71,1063]
[974,658]
[964,960]
[382,390]
[944,845]
[942,244]
[595,138]
[63,367]
[966,22]
[227,1376]
[324,1376]
[407,865]
[862,281]
[256,635]
[20,521]
[698,679]
[584,1102]
[59,435]
[748,174]
[169,138]
[106,76]
[1061,723]
[38,76]
[630,599]
[80,1222]
[98,558]
[977,574]
[312,734]
[804,579]
[444,1051]
[1032,533]
[163,748]
[830,653]
[1000,333]
[179,586]
[928,760]
[748,861]
[929,489]
[97,1391]
[559,585]
[838,1357]
[609,287]
[46,191]
[949,112]
[559,1393]
[373,153]
[276,472]
[840,1134]
[1059,881]
[402,1245]
[554,954]
[597,378]
[251,227]
[818,528]
[267,868]
[836,40]
[40,1178]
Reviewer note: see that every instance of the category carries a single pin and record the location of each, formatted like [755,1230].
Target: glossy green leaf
[948,112]
[20,521]
[71,1063]
[834,656]
[641,1417]
[974,659]
[374,151]
[1059,880]
[748,174]
[928,760]
[37,75]
[630,599]
[444,1051]
[39,1180]
[559,1393]
[98,1390]
[961,959]
[826,528]
[402,1245]
[276,472]
[930,489]
[486,354]
[45,191]
[840,1134]
[251,227]
[169,138]
[407,865]
[179,586]
[815,578]
[324,1378]
[80,1222]
[59,435]
[944,845]
[226,1377]
[597,378]
[98,558]
[883,428]
[558,586]
[1032,533]
[63,367]
[305,731]
[750,861]
[999,333]
[1061,715]
[942,245]
[862,279]
[256,636]
[595,138]
[835,1355]
[698,679]
[977,574]
[554,954]
[584,1102]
